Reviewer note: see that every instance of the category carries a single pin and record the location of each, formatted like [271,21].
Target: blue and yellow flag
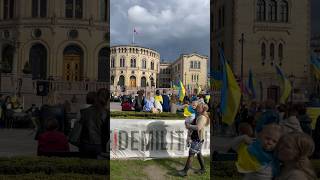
[251,85]
[285,84]
[315,64]
[230,93]
[182,91]
[188,111]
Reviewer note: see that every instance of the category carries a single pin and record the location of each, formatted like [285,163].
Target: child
[255,156]
[190,114]
[293,150]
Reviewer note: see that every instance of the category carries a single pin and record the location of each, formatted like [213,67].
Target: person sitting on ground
[149,104]
[291,124]
[158,101]
[294,150]
[139,101]
[52,140]
[166,102]
[173,104]
[126,105]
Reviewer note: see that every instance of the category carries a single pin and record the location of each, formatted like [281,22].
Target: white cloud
[161,22]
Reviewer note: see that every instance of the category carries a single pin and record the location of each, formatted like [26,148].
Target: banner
[134,138]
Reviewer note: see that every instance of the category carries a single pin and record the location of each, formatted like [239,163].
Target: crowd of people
[158,103]
[274,142]
[53,124]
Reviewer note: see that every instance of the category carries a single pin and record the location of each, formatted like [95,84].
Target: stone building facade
[133,67]
[65,41]
[276,32]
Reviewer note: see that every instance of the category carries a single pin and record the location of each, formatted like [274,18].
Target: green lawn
[160,168]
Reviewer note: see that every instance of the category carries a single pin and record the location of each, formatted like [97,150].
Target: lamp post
[292,78]
[241,70]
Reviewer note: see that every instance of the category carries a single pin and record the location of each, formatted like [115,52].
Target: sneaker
[182,173]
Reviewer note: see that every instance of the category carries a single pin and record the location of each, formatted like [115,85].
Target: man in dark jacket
[94,134]
[139,101]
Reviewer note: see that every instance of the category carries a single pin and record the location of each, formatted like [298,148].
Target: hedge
[144,115]
[40,176]
[52,165]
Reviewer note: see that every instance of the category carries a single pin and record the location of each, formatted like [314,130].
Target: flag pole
[133,36]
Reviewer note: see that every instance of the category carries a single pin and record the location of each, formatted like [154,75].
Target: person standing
[93,138]
[166,102]
[197,139]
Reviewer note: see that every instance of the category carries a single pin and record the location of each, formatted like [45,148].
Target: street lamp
[241,71]
[292,78]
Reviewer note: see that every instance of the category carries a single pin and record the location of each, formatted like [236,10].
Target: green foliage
[40,176]
[144,115]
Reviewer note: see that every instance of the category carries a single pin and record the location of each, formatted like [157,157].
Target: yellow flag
[233,97]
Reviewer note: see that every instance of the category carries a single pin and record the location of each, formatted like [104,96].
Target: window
[272,51]
[263,51]
[39,8]
[284,15]
[178,67]
[152,65]
[199,65]
[280,51]
[191,64]
[223,14]
[112,62]
[133,62]
[144,64]
[103,10]
[8,10]
[261,10]
[273,10]
[74,8]
[122,62]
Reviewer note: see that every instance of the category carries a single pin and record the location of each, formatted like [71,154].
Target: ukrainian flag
[188,111]
[182,91]
[230,93]
[286,85]
[315,63]
[251,84]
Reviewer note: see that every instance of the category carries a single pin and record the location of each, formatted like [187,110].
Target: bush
[144,115]
[52,165]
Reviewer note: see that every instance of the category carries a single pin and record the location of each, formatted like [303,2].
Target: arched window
[261,10]
[74,8]
[39,8]
[122,61]
[273,10]
[152,82]
[144,64]
[263,51]
[152,65]
[133,62]
[143,82]
[121,80]
[112,80]
[284,11]
[133,81]
[38,61]
[7,58]
[280,51]
[103,67]
[272,51]
[8,9]
[112,62]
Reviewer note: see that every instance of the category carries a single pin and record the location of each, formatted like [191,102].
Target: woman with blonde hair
[294,150]
[197,138]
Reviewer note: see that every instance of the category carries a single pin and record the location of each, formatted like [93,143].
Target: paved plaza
[19,142]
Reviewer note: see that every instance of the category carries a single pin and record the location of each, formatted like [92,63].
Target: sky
[315,16]
[171,27]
